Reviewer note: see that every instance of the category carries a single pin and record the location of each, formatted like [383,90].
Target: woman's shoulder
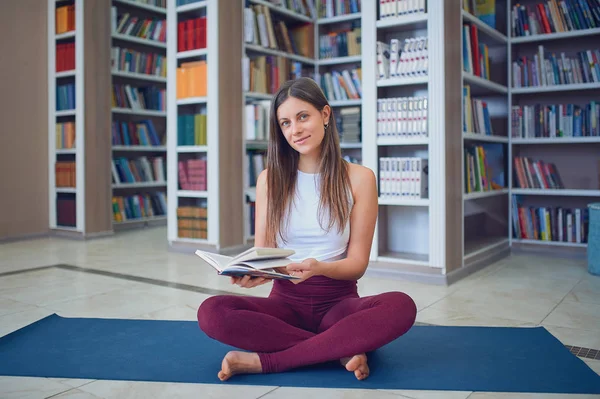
[362,179]
[360,175]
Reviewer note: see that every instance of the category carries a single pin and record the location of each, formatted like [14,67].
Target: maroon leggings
[316,321]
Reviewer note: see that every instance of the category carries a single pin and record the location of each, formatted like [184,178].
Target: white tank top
[303,232]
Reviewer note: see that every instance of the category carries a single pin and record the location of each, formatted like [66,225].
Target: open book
[255,261]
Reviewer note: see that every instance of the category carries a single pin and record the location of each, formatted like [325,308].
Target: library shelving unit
[269,31]
[554,96]
[78,112]
[65,111]
[485,125]
[403,138]
[339,58]
[204,144]
[138,125]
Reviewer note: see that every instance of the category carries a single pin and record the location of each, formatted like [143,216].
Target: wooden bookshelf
[204,211]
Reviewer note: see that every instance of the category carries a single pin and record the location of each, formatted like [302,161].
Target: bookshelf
[78,118]
[274,37]
[485,133]
[406,135]
[138,67]
[554,134]
[204,144]
[339,59]
[66,144]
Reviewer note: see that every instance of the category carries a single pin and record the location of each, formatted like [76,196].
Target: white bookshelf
[409,235]
[575,157]
[485,226]
[258,145]
[76,115]
[208,105]
[122,76]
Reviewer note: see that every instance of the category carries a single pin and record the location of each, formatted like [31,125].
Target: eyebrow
[298,113]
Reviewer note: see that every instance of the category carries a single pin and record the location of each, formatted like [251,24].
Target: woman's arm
[362,227]
[260,226]
[260,212]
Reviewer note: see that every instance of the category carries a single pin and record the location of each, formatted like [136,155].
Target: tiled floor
[523,290]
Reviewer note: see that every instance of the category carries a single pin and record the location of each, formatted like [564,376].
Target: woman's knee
[403,308]
[210,314]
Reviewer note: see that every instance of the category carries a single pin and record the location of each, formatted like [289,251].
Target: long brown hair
[282,165]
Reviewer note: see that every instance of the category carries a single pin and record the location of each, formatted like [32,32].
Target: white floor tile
[146,390]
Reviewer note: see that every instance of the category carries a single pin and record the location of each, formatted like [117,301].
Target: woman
[312,201]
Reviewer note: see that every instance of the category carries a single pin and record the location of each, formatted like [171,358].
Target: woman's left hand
[305,270]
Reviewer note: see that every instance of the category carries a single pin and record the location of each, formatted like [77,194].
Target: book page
[257,253]
[265,264]
[218,262]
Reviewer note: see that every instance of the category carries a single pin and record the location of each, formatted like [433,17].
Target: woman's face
[302,124]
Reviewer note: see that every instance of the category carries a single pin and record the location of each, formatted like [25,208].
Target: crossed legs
[274,331]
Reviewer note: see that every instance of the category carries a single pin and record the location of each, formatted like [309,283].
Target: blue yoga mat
[426,358]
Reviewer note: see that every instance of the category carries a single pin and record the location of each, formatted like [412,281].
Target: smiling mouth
[302,140]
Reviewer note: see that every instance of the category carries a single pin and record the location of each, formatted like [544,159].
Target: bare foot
[239,363]
[358,364]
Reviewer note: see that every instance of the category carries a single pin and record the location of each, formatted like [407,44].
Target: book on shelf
[261,29]
[554,17]
[191,129]
[65,19]
[155,3]
[192,174]
[484,168]
[341,43]
[333,8]
[537,174]
[348,121]
[476,114]
[256,262]
[138,170]
[65,135]
[153,29]
[141,133]
[550,223]
[256,164]
[556,69]
[397,8]
[485,10]
[192,79]
[402,117]
[65,174]
[128,60]
[191,34]
[186,2]
[265,74]
[192,221]
[139,98]
[342,85]
[65,97]
[66,211]
[556,120]
[403,178]
[402,59]
[139,206]
[65,57]
[257,120]
[476,59]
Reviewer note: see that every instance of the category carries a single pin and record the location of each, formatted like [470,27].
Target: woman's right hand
[249,282]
